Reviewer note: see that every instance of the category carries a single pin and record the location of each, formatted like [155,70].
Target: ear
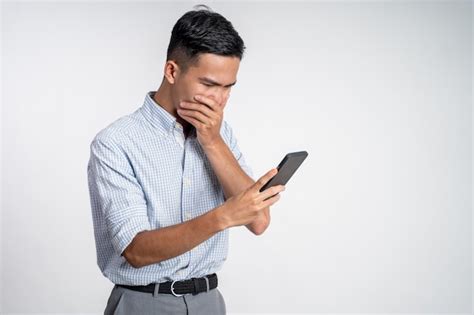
[171,71]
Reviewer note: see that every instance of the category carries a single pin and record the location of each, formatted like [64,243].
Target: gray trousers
[124,301]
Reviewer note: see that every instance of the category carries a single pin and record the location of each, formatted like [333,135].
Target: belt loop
[157,289]
[207,283]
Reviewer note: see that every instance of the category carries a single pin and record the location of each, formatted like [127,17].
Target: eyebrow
[207,80]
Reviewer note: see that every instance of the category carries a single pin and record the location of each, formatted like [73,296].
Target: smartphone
[287,167]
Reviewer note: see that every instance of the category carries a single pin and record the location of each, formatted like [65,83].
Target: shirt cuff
[125,232]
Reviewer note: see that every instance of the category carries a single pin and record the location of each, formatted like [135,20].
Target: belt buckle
[172,289]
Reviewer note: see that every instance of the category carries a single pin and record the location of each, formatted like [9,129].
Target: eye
[206,84]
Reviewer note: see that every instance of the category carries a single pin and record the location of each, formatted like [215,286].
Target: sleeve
[116,194]
[234,147]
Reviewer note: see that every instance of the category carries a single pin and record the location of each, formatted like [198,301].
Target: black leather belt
[178,288]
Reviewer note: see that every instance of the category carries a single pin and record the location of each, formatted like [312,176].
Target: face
[212,76]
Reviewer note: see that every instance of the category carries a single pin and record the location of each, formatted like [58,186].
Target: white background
[378,218]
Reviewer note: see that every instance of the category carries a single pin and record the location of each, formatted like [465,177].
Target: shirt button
[188,215]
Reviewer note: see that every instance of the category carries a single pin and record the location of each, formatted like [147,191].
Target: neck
[164,98]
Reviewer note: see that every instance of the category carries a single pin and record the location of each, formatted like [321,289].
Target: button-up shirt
[144,174]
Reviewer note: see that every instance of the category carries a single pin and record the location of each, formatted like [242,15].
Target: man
[168,180]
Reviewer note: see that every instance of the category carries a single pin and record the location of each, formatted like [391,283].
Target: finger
[196,115]
[270,201]
[269,192]
[265,178]
[199,107]
[207,101]
[196,123]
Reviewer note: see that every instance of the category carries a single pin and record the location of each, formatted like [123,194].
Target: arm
[234,180]
[118,197]
[150,247]
[207,116]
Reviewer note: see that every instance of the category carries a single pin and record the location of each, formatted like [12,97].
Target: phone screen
[287,167]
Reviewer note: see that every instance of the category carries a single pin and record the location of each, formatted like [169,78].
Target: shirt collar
[159,117]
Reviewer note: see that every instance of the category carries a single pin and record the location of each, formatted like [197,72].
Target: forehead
[220,68]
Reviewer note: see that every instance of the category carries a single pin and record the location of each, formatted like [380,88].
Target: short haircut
[203,31]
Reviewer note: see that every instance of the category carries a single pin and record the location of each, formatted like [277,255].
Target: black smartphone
[287,167]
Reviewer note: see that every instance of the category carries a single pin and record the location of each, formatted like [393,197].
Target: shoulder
[115,132]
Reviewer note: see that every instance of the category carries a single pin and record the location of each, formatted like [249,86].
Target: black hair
[203,31]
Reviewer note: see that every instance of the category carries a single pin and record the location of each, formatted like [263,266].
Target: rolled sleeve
[115,193]
[234,147]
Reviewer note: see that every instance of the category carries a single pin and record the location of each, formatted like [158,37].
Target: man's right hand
[245,207]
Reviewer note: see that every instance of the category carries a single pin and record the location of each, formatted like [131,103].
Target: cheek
[187,90]
[197,90]
[226,95]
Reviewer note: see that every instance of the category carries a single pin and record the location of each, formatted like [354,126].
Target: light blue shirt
[143,174]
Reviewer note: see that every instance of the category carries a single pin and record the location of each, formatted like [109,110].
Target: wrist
[214,145]
[220,217]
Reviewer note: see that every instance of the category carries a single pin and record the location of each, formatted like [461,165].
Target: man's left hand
[206,116]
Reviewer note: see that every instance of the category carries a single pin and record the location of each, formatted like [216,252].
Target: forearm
[149,247]
[227,169]
[234,180]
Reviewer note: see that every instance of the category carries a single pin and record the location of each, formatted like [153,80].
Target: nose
[220,96]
